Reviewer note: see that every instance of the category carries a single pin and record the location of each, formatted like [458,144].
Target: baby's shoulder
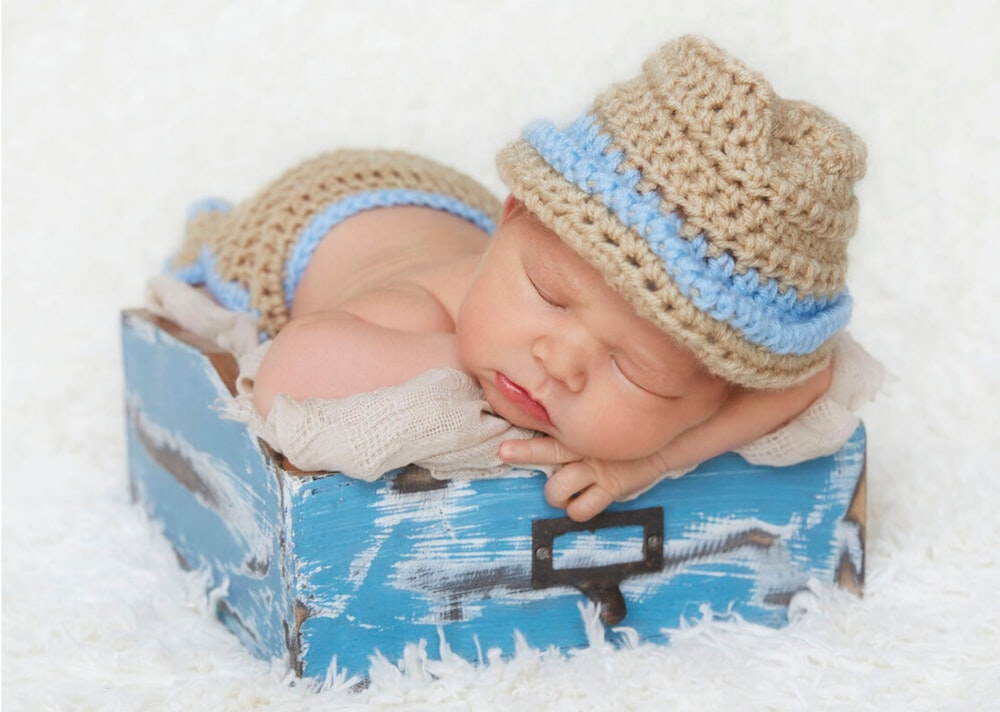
[404,305]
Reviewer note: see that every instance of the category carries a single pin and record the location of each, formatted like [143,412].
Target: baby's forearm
[585,486]
[337,354]
[747,416]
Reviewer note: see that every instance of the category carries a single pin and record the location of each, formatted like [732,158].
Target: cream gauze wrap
[438,420]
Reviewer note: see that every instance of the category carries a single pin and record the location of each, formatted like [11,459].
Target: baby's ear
[510,206]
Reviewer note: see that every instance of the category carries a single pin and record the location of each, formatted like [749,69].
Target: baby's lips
[518,396]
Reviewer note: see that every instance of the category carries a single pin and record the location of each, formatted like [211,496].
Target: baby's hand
[584,487]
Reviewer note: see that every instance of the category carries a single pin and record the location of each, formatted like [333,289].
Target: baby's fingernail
[504,452]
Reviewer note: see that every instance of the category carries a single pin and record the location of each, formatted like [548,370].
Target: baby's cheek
[611,438]
[466,338]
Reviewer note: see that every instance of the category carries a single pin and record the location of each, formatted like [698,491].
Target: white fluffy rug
[116,114]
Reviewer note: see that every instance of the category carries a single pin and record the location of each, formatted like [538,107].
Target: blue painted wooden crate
[319,566]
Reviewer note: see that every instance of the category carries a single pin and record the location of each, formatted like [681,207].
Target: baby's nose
[565,358]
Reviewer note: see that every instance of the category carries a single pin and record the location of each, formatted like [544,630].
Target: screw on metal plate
[599,583]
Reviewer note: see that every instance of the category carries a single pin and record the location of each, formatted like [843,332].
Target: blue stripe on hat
[776,319]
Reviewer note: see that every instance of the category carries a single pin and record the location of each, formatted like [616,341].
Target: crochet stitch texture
[721,211]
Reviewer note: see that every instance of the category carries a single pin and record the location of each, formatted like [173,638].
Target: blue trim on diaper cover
[230,294]
[208,205]
[326,219]
[777,319]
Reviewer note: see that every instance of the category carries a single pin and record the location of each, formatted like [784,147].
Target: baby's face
[555,349]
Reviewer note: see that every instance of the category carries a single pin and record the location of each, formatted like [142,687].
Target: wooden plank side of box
[383,564]
[205,478]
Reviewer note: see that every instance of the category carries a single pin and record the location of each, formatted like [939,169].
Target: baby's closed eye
[634,376]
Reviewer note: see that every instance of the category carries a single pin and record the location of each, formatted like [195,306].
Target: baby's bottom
[253,257]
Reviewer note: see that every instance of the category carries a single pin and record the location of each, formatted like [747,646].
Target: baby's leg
[253,256]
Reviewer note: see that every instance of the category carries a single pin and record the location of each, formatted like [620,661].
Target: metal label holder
[599,583]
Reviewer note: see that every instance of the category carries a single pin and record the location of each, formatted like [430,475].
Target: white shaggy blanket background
[116,114]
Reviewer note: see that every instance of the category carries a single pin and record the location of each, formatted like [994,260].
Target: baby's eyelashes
[643,383]
[545,295]
[624,372]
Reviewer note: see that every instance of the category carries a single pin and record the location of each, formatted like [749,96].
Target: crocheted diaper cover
[252,256]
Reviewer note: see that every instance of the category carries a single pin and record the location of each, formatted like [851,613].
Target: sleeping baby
[665,282]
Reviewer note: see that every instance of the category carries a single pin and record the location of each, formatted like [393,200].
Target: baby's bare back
[403,267]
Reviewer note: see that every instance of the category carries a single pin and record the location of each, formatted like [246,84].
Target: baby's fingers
[536,451]
[591,502]
[575,489]
[568,482]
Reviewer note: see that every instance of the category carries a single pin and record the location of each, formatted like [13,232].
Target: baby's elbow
[276,373]
[817,385]
[797,399]
[264,388]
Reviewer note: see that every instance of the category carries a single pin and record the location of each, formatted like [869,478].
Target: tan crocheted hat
[721,211]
